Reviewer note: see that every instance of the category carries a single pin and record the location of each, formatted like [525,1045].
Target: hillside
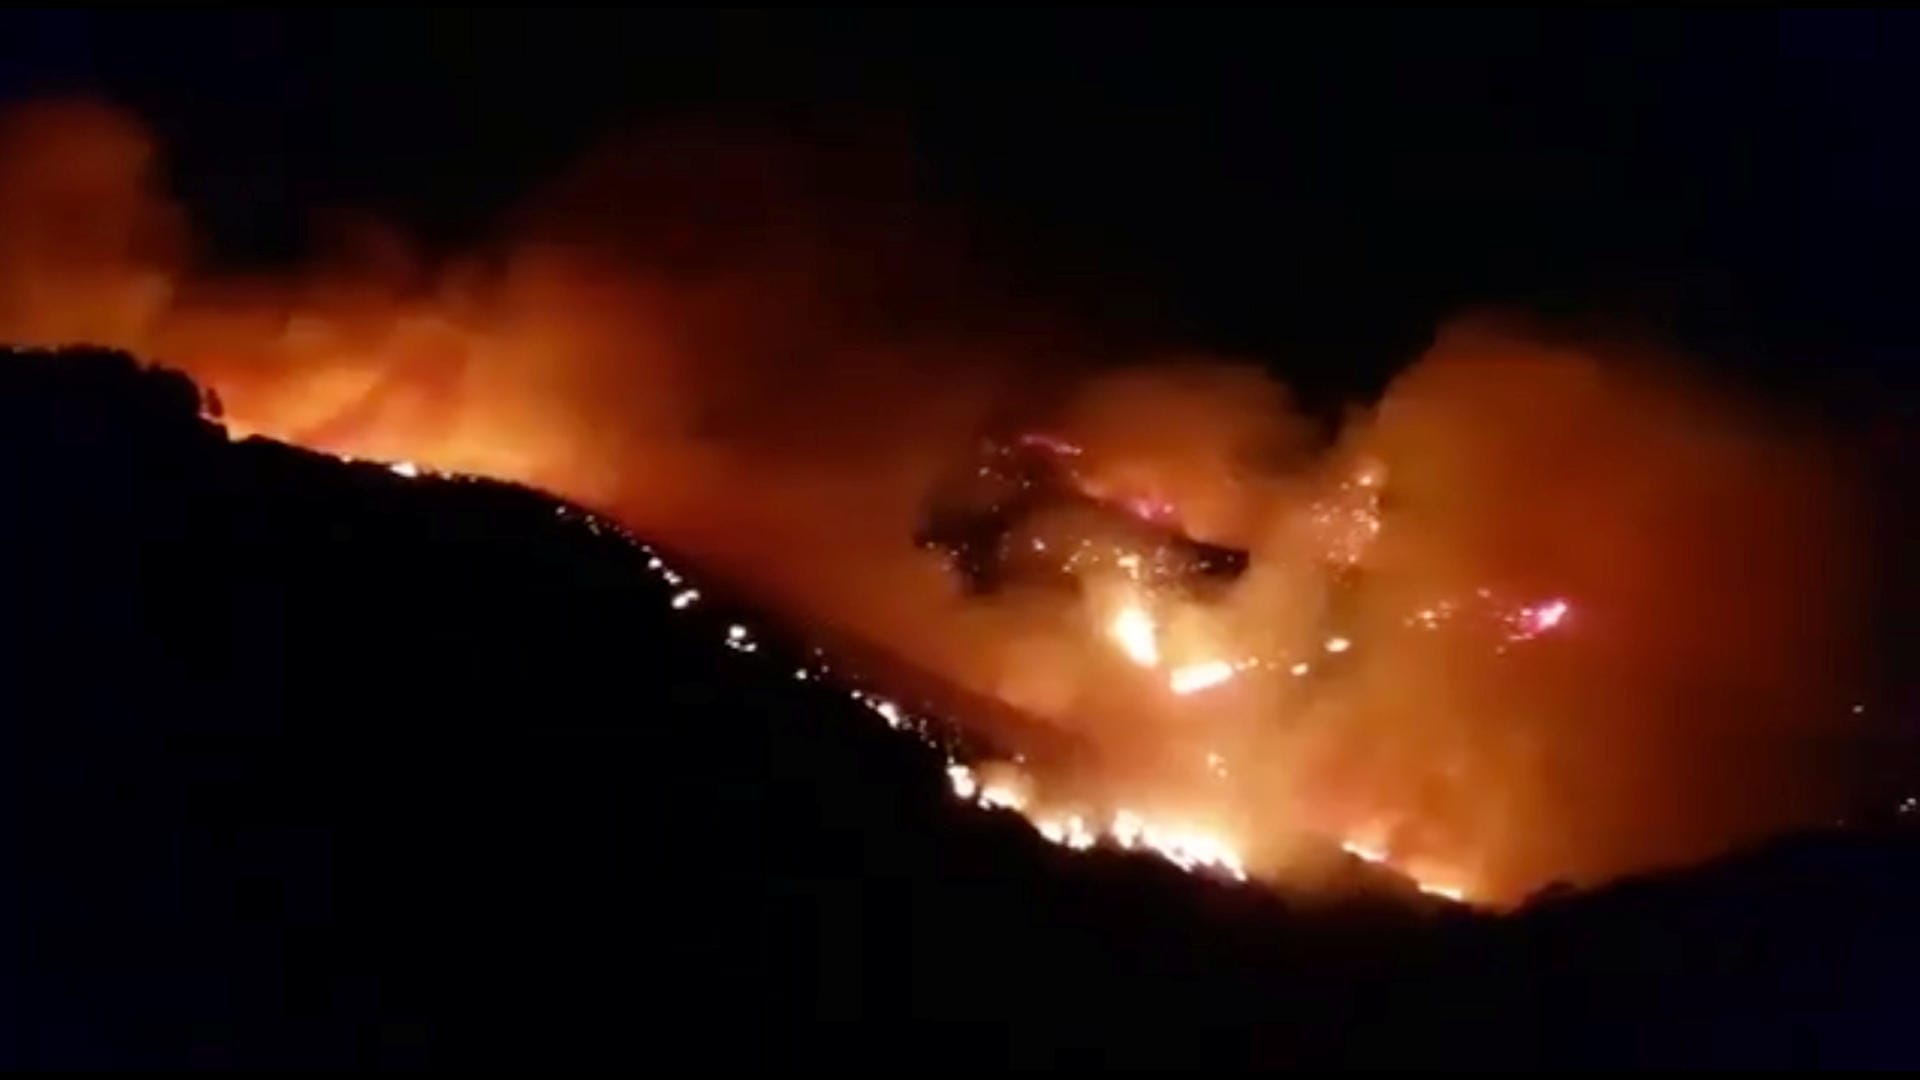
[313,763]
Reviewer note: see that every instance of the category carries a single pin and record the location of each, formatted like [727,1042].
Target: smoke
[1545,611]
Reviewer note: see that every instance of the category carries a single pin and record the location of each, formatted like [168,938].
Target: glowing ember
[1050,443]
[1533,620]
[1550,614]
[685,599]
[1133,630]
[1148,508]
[1300,669]
[1193,678]
[1337,644]
[739,640]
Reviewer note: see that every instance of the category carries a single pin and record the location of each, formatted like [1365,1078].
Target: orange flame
[1539,614]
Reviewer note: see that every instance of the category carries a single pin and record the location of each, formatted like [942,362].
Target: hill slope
[311,763]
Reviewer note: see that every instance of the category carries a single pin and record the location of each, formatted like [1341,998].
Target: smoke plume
[1547,610]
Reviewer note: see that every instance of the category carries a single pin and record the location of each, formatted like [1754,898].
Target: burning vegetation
[1543,612]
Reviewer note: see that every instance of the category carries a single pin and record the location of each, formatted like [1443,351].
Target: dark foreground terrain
[312,764]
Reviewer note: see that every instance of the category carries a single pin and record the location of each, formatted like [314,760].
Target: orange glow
[1524,607]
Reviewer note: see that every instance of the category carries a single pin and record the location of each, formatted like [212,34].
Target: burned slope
[311,763]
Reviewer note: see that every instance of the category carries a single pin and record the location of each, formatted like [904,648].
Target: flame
[1367,853]
[965,784]
[1133,629]
[1193,678]
[1526,606]
[1445,892]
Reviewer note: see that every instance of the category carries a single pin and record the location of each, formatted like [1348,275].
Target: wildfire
[1367,853]
[1518,545]
[1134,631]
[1445,892]
[1193,678]
[1531,621]
[1138,635]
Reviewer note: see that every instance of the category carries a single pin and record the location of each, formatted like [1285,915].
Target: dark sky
[1300,185]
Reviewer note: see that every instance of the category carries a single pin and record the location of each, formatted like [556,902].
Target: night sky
[1314,189]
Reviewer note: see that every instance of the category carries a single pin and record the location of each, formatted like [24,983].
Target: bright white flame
[1191,849]
[736,632]
[1133,630]
[1444,892]
[1188,849]
[1001,796]
[685,599]
[1364,852]
[965,784]
[1532,621]
[404,468]
[1550,614]
[1079,837]
[888,711]
[1193,678]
